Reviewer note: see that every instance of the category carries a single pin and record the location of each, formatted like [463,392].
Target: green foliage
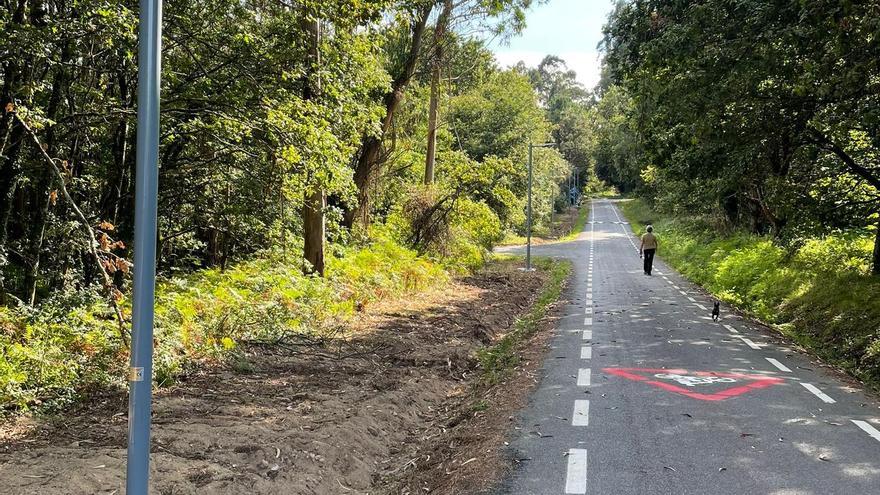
[762,113]
[48,357]
[821,294]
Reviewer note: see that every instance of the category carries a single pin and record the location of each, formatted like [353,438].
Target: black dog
[716,311]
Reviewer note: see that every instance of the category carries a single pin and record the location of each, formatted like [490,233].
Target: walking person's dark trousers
[649,260]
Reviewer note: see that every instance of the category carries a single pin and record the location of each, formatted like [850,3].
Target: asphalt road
[642,393]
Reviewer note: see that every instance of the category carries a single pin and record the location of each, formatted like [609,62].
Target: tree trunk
[439,40]
[313,231]
[315,201]
[875,260]
[370,155]
[432,124]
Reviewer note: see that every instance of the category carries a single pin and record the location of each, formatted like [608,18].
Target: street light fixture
[529,209]
[140,376]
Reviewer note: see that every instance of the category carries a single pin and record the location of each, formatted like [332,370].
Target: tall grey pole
[529,217]
[146,191]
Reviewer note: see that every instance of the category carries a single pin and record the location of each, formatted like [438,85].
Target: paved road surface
[642,393]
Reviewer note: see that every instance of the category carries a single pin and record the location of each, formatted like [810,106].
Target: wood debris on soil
[381,411]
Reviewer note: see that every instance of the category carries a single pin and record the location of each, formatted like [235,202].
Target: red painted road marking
[754,382]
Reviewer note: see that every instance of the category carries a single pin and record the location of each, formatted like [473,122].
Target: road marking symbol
[867,428]
[576,477]
[581,414]
[818,393]
[648,376]
[779,366]
[584,375]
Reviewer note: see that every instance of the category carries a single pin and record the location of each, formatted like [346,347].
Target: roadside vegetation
[315,159]
[759,168]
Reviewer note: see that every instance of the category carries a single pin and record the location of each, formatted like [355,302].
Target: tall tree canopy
[765,110]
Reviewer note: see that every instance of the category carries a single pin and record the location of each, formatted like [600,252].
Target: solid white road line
[576,477]
[730,328]
[704,308]
[588,321]
[751,344]
[581,414]
[584,376]
[779,366]
[587,352]
[588,335]
[818,393]
[867,428]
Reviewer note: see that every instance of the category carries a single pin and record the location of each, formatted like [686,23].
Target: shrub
[70,344]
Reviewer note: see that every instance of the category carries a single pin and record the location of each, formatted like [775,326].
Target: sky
[570,29]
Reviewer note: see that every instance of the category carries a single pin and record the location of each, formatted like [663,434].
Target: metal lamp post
[529,208]
[140,376]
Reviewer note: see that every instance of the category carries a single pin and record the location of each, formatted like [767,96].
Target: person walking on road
[648,249]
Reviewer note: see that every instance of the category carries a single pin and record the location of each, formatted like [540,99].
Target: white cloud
[586,64]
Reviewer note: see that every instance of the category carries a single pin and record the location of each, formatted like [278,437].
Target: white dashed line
[751,344]
[691,299]
[584,376]
[586,352]
[779,366]
[588,335]
[867,428]
[730,328]
[588,310]
[581,414]
[576,478]
[704,308]
[818,393]
[676,287]
[683,293]
[588,321]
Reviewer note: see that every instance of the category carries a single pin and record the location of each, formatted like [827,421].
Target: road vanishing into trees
[642,393]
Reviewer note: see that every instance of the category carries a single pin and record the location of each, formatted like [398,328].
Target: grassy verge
[580,224]
[818,294]
[498,360]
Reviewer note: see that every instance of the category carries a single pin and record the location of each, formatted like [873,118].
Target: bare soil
[394,409]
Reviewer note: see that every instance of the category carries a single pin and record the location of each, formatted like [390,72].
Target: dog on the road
[716,311]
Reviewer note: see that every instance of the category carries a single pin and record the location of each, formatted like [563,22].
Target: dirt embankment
[392,410]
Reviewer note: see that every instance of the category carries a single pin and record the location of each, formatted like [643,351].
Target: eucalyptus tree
[410,44]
